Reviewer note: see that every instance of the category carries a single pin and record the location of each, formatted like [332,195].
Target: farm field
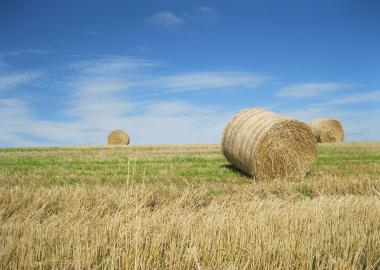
[185,207]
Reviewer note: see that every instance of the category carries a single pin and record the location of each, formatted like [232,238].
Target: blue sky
[176,71]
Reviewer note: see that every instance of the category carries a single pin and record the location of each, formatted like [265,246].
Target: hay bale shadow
[235,170]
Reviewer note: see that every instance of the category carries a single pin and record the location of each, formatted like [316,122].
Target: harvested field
[185,207]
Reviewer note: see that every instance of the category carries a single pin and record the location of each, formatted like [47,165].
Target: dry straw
[327,130]
[267,145]
[118,137]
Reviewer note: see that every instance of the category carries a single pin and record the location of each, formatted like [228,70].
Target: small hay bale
[118,137]
[327,130]
[267,145]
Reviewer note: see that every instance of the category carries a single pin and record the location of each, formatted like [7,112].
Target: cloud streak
[113,92]
[373,96]
[307,90]
[113,64]
[103,94]
[203,15]
[169,20]
[93,33]
[199,81]
[8,81]
[166,20]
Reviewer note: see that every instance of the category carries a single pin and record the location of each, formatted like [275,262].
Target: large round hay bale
[327,130]
[267,145]
[118,137]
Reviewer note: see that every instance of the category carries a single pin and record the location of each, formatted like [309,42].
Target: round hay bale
[267,145]
[327,130]
[118,137]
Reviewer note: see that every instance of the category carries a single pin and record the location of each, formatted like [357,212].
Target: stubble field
[185,207]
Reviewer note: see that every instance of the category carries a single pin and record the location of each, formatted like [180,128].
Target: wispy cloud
[178,122]
[113,64]
[99,97]
[96,99]
[306,90]
[98,90]
[110,73]
[212,80]
[15,116]
[170,20]
[96,109]
[8,57]
[166,20]
[15,79]
[203,15]
[176,107]
[143,49]
[373,96]
[102,92]
[105,93]
[98,86]
[13,108]
[30,51]
[93,33]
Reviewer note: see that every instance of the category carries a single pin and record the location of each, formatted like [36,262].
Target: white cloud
[14,114]
[166,20]
[95,86]
[11,80]
[170,20]
[98,108]
[100,104]
[365,97]
[94,99]
[106,93]
[14,121]
[212,80]
[143,48]
[113,64]
[203,15]
[197,124]
[19,127]
[105,74]
[93,33]
[18,53]
[305,90]
[99,88]
[176,107]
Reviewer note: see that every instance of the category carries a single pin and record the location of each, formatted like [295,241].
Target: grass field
[185,207]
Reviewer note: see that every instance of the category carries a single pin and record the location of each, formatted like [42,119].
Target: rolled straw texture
[267,145]
[327,130]
[118,137]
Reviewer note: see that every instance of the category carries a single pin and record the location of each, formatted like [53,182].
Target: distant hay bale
[118,137]
[327,130]
[267,145]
